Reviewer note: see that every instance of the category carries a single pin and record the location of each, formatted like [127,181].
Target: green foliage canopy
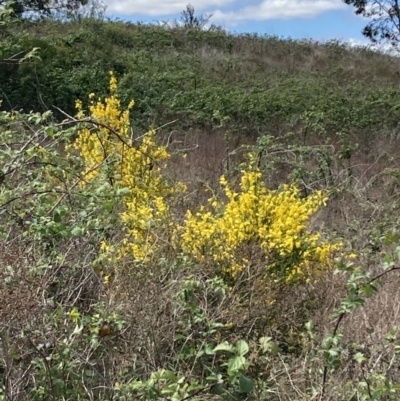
[384,15]
[44,8]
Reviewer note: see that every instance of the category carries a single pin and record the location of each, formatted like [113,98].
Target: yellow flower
[108,155]
[275,222]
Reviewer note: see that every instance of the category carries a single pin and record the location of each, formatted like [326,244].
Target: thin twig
[339,320]
[73,120]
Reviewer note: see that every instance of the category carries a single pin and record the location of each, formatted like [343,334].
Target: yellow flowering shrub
[111,155]
[252,226]
[257,225]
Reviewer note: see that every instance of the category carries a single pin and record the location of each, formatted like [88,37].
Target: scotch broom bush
[252,227]
[259,226]
[111,155]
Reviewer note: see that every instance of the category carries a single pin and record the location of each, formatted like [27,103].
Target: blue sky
[338,24]
[317,19]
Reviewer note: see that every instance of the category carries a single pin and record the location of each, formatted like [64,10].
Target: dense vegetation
[191,214]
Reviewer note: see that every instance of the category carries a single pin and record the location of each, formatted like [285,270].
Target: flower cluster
[258,221]
[111,155]
[103,146]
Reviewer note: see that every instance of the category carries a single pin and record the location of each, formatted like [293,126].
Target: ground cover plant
[190,214]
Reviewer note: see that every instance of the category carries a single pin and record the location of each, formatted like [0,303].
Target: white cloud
[160,8]
[383,48]
[279,9]
[354,42]
[264,10]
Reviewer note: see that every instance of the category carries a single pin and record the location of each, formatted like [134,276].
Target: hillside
[135,263]
[192,74]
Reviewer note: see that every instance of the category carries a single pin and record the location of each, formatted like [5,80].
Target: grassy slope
[254,81]
[245,86]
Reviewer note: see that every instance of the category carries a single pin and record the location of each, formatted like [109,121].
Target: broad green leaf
[236,363]
[242,347]
[246,384]
[225,346]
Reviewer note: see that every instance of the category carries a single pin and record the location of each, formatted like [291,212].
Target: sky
[320,20]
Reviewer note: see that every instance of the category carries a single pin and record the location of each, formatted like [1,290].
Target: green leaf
[246,384]
[208,350]
[74,315]
[77,232]
[242,347]
[359,357]
[195,387]
[33,54]
[169,375]
[225,346]
[391,238]
[267,345]
[57,217]
[217,389]
[78,327]
[49,131]
[216,377]
[368,290]
[136,385]
[236,363]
